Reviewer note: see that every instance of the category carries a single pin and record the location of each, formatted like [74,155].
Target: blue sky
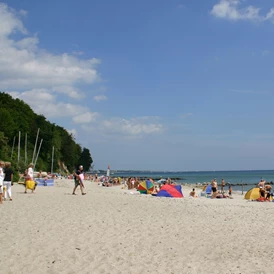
[149,84]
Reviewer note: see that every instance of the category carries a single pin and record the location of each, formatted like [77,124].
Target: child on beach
[192,193]
[230,190]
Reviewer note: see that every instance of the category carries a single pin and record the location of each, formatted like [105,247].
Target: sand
[111,230]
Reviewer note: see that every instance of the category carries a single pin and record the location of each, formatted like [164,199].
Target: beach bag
[30,184]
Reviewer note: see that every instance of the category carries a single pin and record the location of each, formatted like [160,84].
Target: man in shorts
[78,181]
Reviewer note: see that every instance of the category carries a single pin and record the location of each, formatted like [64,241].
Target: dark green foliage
[3,145]
[15,116]
[85,159]
[7,122]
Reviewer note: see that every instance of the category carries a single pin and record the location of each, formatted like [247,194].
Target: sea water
[249,178]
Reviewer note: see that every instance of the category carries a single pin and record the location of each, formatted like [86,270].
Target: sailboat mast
[19,147]
[34,151]
[52,160]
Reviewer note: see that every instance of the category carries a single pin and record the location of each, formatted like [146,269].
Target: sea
[240,179]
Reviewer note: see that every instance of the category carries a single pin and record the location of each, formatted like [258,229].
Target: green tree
[3,146]
[85,159]
[7,123]
[15,116]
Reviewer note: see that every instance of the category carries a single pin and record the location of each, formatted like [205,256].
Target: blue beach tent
[208,189]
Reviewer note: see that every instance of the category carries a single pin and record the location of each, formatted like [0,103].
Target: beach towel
[82,177]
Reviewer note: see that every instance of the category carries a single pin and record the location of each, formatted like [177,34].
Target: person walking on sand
[78,174]
[8,180]
[30,175]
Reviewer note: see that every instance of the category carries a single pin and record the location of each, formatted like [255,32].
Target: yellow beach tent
[253,194]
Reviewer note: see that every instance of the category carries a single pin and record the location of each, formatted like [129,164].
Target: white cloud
[73,132]
[27,43]
[42,101]
[9,21]
[58,109]
[248,91]
[85,118]
[23,12]
[34,96]
[100,98]
[25,66]
[230,9]
[70,91]
[39,77]
[270,15]
[78,53]
[266,52]
[185,115]
[134,126]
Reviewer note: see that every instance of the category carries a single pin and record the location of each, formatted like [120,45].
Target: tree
[3,145]
[7,123]
[85,159]
[18,116]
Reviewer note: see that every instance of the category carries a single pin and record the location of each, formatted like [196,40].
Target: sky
[175,85]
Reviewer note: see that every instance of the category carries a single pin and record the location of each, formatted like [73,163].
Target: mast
[34,151]
[12,147]
[52,160]
[37,154]
[19,147]
[26,153]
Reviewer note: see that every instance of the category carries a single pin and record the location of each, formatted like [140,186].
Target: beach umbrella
[173,191]
[146,187]
[161,181]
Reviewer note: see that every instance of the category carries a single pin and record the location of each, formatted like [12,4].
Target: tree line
[17,116]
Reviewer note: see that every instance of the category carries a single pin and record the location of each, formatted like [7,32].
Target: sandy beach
[111,230]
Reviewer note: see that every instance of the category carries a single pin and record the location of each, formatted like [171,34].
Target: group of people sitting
[133,183]
[215,193]
[265,190]
[108,181]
